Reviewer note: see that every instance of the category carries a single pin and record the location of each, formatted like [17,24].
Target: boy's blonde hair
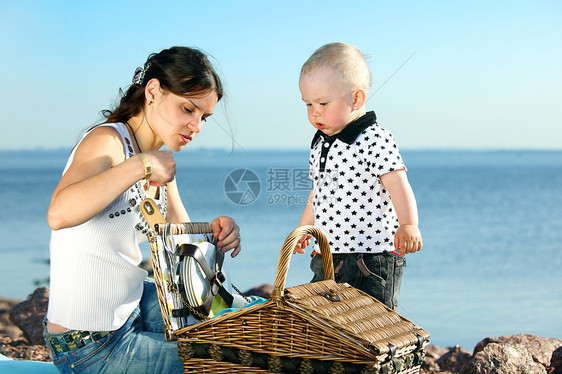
[345,59]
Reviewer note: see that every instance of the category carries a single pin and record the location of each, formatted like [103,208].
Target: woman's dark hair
[180,70]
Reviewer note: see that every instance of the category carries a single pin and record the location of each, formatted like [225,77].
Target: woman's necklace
[146,185]
[134,136]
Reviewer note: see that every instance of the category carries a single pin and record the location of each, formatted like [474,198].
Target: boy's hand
[303,242]
[407,239]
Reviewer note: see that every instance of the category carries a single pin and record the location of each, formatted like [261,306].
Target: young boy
[361,198]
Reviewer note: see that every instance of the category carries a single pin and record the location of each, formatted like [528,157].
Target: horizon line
[287,149]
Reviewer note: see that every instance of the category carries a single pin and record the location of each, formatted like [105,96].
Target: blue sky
[479,74]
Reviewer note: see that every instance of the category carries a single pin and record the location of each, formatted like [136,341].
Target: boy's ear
[359,98]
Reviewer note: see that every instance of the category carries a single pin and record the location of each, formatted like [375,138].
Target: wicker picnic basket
[321,327]
[173,298]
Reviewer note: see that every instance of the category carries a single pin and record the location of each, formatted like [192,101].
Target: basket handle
[151,213]
[287,251]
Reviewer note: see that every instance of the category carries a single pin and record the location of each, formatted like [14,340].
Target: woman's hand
[228,234]
[163,167]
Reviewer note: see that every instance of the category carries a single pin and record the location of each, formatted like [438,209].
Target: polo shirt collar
[350,132]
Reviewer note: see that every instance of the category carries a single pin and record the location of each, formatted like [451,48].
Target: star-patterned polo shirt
[351,206]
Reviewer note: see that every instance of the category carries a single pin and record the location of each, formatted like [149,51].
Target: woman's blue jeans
[137,347]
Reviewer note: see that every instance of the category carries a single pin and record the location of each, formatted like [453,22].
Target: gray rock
[264,291]
[432,354]
[28,315]
[503,358]
[556,361]
[19,349]
[454,359]
[539,347]
[7,327]
[522,353]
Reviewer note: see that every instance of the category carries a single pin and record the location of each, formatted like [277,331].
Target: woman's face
[178,119]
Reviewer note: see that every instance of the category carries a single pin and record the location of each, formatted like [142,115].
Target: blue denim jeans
[378,274]
[137,347]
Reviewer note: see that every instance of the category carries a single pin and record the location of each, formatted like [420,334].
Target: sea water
[491,223]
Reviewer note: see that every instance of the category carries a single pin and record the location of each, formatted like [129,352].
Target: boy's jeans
[137,347]
[378,274]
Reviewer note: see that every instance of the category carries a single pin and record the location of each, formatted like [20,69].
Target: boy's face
[328,101]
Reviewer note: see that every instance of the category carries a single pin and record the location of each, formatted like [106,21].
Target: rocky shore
[21,339]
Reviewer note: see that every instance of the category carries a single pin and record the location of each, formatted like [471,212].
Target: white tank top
[95,279]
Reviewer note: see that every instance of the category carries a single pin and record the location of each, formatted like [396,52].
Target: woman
[103,314]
